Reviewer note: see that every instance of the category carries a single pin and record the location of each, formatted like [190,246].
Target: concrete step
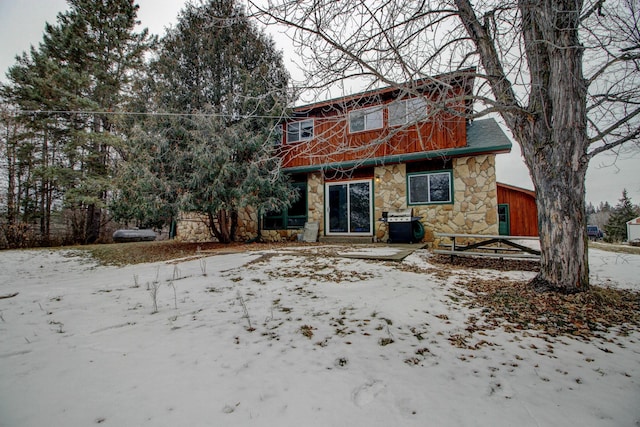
[345,239]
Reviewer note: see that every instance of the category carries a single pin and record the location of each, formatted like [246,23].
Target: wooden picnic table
[512,249]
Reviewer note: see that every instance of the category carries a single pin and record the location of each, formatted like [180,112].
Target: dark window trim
[427,173]
[284,216]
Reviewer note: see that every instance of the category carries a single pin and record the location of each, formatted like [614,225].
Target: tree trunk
[562,224]
[551,129]
[92,229]
[234,225]
[11,174]
[556,144]
[219,226]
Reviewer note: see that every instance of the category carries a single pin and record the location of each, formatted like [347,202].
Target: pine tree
[77,76]
[624,211]
[227,80]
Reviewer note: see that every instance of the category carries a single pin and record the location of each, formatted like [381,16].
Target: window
[433,187]
[300,130]
[365,119]
[293,217]
[407,111]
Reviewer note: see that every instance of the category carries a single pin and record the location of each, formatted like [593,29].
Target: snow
[79,346]
[618,269]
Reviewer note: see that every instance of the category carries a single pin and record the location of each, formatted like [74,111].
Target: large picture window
[365,119]
[293,217]
[300,131]
[431,187]
[407,111]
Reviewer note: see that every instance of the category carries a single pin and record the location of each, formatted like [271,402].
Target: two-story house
[356,158]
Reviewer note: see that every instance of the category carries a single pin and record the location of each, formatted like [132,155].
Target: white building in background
[633,229]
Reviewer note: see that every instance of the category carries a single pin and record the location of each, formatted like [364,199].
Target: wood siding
[523,214]
[333,143]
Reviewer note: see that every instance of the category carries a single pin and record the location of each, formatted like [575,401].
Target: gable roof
[518,189]
[483,137]
[462,78]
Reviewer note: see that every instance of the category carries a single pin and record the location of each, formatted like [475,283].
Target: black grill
[403,226]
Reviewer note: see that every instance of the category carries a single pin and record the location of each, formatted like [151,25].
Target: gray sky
[22,24]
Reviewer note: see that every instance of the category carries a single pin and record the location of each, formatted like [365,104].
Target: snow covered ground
[290,338]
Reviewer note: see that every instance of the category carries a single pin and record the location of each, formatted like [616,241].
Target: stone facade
[474,209]
[192,227]
[475,201]
[315,200]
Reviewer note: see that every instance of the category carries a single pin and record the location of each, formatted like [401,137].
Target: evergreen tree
[222,82]
[76,78]
[624,211]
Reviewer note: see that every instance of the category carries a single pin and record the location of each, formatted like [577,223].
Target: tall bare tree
[564,75]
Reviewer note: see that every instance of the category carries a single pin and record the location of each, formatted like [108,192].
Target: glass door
[349,208]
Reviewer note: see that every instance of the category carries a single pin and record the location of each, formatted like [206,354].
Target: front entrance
[504,225]
[349,208]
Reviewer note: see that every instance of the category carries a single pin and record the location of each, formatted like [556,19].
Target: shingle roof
[486,133]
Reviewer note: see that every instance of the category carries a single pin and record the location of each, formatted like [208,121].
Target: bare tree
[563,75]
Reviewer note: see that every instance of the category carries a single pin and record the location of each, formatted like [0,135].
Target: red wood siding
[333,143]
[523,214]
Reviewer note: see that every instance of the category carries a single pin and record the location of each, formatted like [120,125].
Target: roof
[635,221]
[463,78]
[486,133]
[483,137]
[518,189]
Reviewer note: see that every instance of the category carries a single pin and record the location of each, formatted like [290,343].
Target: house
[633,229]
[356,158]
[517,211]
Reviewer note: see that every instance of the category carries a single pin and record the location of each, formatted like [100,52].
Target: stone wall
[475,207]
[474,211]
[390,188]
[315,200]
[192,227]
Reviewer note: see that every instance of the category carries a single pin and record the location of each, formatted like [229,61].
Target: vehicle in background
[594,232]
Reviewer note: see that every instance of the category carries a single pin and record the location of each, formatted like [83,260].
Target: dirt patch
[489,263]
[515,306]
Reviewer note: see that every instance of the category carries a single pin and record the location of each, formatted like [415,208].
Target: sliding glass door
[349,208]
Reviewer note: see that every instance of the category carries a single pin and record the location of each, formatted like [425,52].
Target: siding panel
[522,209]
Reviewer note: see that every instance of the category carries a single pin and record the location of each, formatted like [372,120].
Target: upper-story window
[407,111]
[300,130]
[365,119]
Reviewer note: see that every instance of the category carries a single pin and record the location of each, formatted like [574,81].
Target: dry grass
[625,249]
[166,250]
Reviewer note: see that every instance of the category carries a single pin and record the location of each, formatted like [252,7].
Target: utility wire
[134,113]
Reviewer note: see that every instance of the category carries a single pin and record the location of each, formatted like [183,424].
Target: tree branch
[502,89]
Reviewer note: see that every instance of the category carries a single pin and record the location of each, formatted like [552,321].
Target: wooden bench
[511,249]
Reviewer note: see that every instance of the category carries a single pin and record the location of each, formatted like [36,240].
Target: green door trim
[504,220]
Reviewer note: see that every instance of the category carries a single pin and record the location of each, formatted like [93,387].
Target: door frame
[327,208]
[507,217]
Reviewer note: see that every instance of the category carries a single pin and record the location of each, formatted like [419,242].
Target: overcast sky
[22,24]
